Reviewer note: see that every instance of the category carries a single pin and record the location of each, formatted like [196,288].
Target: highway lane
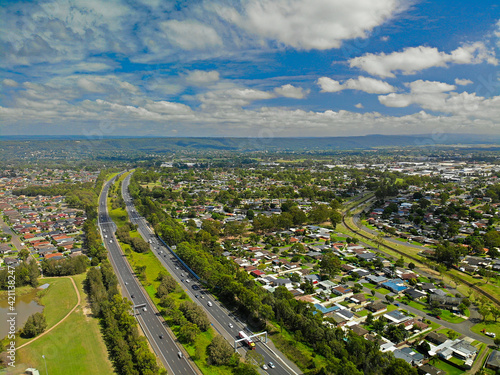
[222,320]
[148,317]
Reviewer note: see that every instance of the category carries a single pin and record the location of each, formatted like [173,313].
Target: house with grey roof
[409,355]
[493,361]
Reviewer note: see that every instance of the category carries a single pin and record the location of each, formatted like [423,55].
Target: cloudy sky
[260,68]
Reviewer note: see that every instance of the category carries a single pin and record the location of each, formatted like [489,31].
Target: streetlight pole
[46,372]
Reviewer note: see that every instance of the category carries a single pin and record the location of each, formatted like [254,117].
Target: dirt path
[59,322]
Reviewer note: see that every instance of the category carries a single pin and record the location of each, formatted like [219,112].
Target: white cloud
[191,35]
[90,85]
[366,84]
[91,67]
[290,91]
[462,82]
[10,82]
[329,85]
[313,24]
[424,87]
[428,94]
[414,59]
[359,105]
[218,117]
[164,107]
[201,77]
[395,100]
[439,97]
[233,97]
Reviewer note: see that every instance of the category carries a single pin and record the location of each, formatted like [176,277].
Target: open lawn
[449,333]
[450,370]
[488,326]
[75,346]
[59,298]
[198,352]
[445,314]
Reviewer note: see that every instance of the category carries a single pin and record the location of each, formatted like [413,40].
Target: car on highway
[144,309]
[110,241]
[161,337]
[132,295]
[209,303]
[270,364]
[179,354]
[230,325]
[187,280]
[264,366]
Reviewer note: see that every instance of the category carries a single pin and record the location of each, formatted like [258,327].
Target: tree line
[128,351]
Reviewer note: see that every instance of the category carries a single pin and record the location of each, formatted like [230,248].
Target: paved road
[164,345]
[15,238]
[222,320]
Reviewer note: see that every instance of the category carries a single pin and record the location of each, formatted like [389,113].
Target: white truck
[247,340]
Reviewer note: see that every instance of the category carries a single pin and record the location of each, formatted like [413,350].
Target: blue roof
[393,285]
[326,310]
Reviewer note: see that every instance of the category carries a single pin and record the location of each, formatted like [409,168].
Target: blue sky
[258,68]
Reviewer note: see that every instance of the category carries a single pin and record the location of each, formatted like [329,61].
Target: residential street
[15,238]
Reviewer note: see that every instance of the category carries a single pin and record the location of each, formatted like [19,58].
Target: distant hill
[69,145]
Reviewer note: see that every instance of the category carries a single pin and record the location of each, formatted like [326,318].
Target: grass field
[450,370]
[488,326]
[73,347]
[56,307]
[445,314]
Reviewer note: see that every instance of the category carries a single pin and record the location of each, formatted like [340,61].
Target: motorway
[222,320]
[152,324]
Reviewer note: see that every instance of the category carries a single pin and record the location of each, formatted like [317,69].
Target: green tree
[319,214]
[245,369]
[400,262]
[219,351]
[251,356]
[24,254]
[495,312]
[188,332]
[330,264]
[35,325]
[335,218]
